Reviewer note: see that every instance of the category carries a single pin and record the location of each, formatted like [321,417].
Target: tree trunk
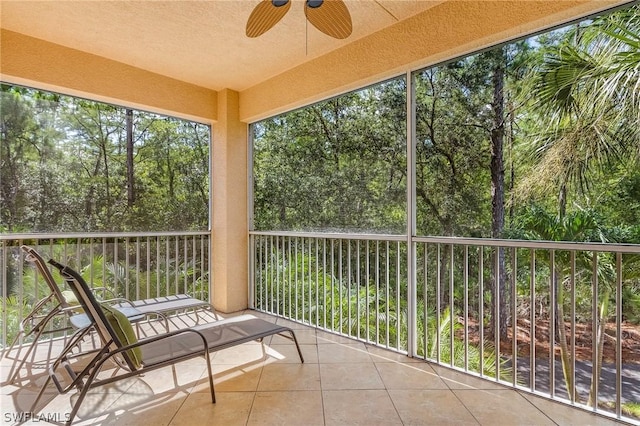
[131,195]
[565,356]
[499,283]
[599,334]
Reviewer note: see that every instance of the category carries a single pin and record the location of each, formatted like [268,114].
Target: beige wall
[34,62]
[445,31]
[230,224]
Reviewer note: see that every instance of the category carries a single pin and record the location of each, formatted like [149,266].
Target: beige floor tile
[459,380]
[93,409]
[368,407]
[230,378]
[281,377]
[291,324]
[305,336]
[501,407]
[565,415]
[430,407]
[385,355]
[178,377]
[289,354]
[257,314]
[241,354]
[287,408]
[143,406]
[235,379]
[230,409]
[328,338]
[21,400]
[409,376]
[350,376]
[340,353]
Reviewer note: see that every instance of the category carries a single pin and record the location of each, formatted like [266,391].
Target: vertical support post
[412,332]
[230,185]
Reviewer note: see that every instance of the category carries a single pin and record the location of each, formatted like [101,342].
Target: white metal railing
[129,265]
[360,286]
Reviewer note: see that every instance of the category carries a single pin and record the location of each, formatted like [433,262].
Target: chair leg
[20,335]
[38,329]
[33,344]
[44,387]
[295,340]
[29,318]
[207,357]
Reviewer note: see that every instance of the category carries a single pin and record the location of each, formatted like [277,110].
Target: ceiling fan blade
[265,15]
[329,16]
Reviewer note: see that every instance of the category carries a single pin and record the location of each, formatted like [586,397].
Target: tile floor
[342,382]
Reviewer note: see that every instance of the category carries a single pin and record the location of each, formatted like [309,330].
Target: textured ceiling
[200,42]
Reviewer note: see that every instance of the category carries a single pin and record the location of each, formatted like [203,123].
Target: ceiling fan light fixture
[265,15]
[330,17]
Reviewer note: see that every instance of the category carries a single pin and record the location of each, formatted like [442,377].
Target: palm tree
[581,225]
[587,97]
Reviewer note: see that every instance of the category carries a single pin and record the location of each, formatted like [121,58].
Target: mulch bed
[583,345]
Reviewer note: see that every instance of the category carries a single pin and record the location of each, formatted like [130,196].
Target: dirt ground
[583,341]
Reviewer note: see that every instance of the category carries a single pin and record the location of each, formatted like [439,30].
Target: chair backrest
[94,311]
[32,256]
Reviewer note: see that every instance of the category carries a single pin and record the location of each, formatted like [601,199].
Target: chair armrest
[103,289]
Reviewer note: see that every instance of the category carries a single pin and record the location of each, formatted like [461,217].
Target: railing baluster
[552,324]
[127,268]
[358,284]
[367,279]
[167,268]
[333,278]
[532,323]
[572,391]
[481,307]
[595,331]
[290,285]
[514,317]
[318,285]
[438,307]
[348,282]
[340,283]
[398,296]
[276,260]
[377,272]
[387,296]
[177,266]
[496,310]
[452,308]
[310,281]
[425,296]
[324,283]
[618,335]
[465,308]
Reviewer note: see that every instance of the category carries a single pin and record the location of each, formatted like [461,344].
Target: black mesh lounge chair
[160,306]
[138,356]
[56,304]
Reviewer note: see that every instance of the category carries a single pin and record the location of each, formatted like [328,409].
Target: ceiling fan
[329,16]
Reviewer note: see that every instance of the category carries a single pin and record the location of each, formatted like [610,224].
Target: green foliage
[64,167]
[336,165]
[438,334]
